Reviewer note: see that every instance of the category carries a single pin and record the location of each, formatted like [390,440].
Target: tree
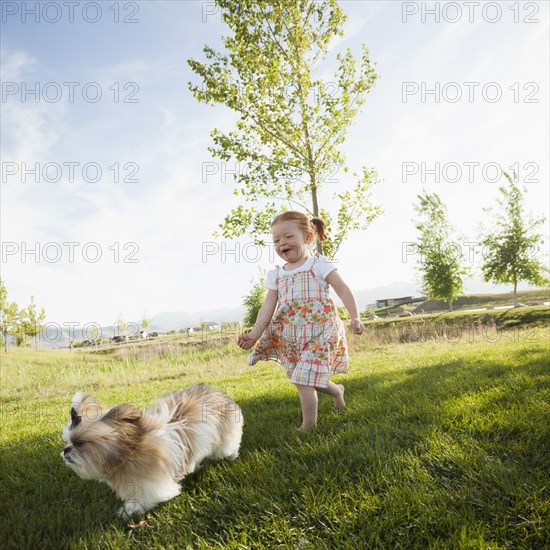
[254,300]
[441,263]
[33,321]
[10,316]
[291,121]
[95,334]
[509,250]
[145,321]
[120,325]
[3,306]
[343,312]
[21,334]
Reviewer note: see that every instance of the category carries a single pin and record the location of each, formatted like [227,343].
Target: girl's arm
[346,295]
[246,341]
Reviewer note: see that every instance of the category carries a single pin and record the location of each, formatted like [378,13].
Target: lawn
[461,325]
[483,300]
[445,444]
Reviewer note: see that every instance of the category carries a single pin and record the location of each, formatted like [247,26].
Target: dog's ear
[78,400]
[123,413]
[83,404]
[75,418]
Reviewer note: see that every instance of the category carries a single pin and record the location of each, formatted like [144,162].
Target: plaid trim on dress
[306,334]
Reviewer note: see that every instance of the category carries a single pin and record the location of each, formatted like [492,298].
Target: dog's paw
[131,508]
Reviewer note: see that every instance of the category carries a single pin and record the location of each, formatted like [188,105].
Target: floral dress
[306,334]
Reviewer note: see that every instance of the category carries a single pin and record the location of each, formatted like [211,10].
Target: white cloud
[29,129]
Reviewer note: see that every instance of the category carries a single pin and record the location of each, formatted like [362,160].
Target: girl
[306,334]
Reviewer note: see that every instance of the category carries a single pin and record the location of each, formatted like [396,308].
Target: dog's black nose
[67,449]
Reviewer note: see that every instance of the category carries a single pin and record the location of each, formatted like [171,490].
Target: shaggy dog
[143,455]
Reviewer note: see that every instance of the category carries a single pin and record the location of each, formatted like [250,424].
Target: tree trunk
[299,54]
[515,293]
[314,197]
[450,302]
[311,166]
[315,210]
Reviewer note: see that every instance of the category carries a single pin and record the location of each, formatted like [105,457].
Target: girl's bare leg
[337,391]
[308,400]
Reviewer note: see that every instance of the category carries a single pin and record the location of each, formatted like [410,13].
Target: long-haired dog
[143,455]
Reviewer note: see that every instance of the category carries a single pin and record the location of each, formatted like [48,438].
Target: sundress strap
[311,271]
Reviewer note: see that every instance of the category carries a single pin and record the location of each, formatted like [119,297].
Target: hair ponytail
[320,228]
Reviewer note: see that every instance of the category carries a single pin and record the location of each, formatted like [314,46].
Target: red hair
[308,226]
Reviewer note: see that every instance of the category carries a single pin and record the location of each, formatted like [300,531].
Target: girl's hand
[246,341]
[357,326]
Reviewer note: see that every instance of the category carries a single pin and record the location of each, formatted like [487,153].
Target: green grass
[444,445]
[520,317]
[468,301]
[483,300]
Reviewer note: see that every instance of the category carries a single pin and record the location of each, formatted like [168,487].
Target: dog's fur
[143,455]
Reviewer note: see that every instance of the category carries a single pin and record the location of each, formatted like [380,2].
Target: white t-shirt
[321,265]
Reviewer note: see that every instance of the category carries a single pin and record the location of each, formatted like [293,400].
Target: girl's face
[290,243]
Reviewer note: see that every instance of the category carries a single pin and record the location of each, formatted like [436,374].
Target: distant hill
[175,320]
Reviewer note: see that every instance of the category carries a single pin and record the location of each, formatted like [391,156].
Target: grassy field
[467,302]
[445,444]
[472,301]
[459,325]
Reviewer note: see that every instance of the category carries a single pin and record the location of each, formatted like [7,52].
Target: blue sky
[172,209]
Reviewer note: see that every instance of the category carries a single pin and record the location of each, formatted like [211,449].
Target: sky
[109,194]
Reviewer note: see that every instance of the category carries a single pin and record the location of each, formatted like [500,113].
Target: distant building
[387,302]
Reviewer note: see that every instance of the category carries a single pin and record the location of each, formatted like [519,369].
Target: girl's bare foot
[339,402]
[306,427]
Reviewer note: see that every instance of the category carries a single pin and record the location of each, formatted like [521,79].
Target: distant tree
[441,260]
[145,321]
[509,250]
[3,294]
[94,333]
[291,121]
[20,334]
[254,300]
[10,316]
[120,325]
[33,321]
[343,313]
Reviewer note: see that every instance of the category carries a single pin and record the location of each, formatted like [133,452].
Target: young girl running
[306,334]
